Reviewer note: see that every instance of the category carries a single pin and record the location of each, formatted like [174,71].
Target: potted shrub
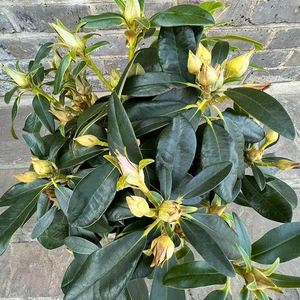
[136,182]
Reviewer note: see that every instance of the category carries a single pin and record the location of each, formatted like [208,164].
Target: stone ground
[28,271]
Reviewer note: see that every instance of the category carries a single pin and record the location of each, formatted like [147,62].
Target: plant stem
[40,91]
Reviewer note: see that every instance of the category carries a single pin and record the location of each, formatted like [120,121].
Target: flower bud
[219,83]
[239,65]
[258,86]
[169,211]
[138,206]
[162,249]
[42,167]
[285,165]
[63,116]
[203,54]
[270,138]
[27,176]
[132,11]
[19,78]
[89,140]
[51,194]
[194,63]
[207,75]
[255,155]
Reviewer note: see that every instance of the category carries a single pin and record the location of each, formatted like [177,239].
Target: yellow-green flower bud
[194,63]
[285,165]
[219,83]
[162,249]
[132,11]
[239,65]
[89,140]
[207,75]
[27,176]
[170,211]
[42,167]
[270,138]
[138,206]
[19,78]
[203,54]
[255,155]
[63,116]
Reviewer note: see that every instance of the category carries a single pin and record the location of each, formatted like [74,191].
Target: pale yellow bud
[258,86]
[170,211]
[194,63]
[89,140]
[42,167]
[138,206]
[19,78]
[203,54]
[255,155]
[115,76]
[207,76]
[132,11]
[219,83]
[162,249]
[239,65]
[27,176]
[270,138]
[285,165]
[63,116]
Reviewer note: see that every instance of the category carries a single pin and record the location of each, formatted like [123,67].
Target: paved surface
[28,271]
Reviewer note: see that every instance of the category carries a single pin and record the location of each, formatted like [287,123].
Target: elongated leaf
[8,95]
[245,294]
[22,190]
[96,46]
[41,54]
[160,291]
[43,223]
[206,180]
[59,76]
[108,281]
[120,131]
[14,216]
[148,125]
[32,123]
[282,242]
[264,108]
[173,47]
[259,177]
[102,21]
[182,15]
[175,152]
[217,147]
[218,295]
[219,53]
[285,281]
[36,144]
[193,275]
[80,245]
[138,289]
[152,84]
[212,6]
[92,196]
[207,247]
[73,158]
[41,108]
[269,203]
[63,195]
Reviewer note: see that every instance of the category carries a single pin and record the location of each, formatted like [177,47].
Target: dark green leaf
[282,242]
[120,132]
[285,281]
[41,108]
[41,54]
[59,76]
[44,222]
[207,246]
[152,84]
[80,245]
[245,294]
[102,21]
[96,46]
[138,289]
[36,144]
[149,125]
[269,203]
[14,113]
[174,44]
[259,176]
[43,205]
[160,291]
[92,196]
[219,53]
[108,281]
[56,144]
[39,76]
[206,180]
[218,295]
[63,195]
[8,95]
[193,275]
[78,68]
[182,15]
[244,239]
[175,152]
[264,108]
[32,123]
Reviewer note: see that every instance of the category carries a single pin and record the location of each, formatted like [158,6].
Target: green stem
[40,91]
[91,64]
[131,51]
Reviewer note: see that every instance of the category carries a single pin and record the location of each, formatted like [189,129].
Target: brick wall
[276,23]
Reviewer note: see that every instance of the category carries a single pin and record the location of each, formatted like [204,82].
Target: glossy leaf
[57,143]
[175,152]
[80,245]
[120,131]
[285,281]
[218,295]
[149,125]
[41,108]
[264,108]
[282,242]
[212,6]
[259,176]
[193,275]
[36,144]
[245,294]
[92,196]
[219,53]
[269,203]
[32,123]
[207,246]
[173,47]
[59,76]
[63,195]
[96,46]
[138,289]
[8,95]
[205,180]
[41,54]
[108,281]
[102,21]
[160,291]
[182,15]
